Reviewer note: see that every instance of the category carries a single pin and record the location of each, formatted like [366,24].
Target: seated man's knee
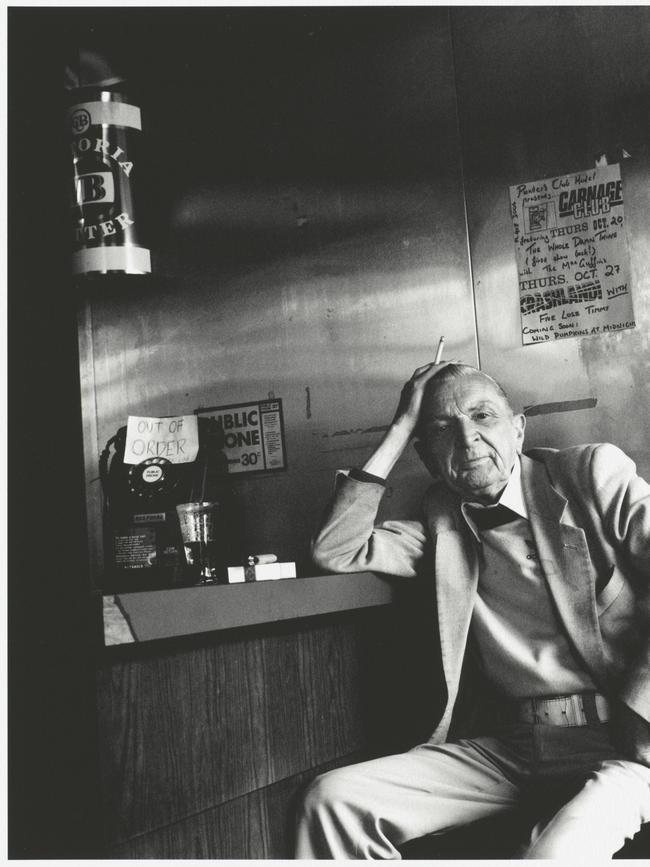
[326,791]
[328,820]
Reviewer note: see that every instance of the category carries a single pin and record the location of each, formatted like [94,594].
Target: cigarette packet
[261,572]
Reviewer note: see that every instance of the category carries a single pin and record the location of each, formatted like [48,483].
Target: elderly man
[541,569]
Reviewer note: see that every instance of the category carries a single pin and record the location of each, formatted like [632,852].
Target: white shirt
[523,647]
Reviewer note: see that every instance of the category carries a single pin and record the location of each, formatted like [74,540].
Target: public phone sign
[254,435]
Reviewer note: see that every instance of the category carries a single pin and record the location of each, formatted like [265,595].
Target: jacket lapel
[456,573]
[564,558]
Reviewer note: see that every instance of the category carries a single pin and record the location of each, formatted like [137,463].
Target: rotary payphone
[142,544]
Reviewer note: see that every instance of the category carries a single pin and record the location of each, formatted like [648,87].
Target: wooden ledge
[147,616]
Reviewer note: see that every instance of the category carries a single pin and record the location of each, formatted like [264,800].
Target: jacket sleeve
[623,500]
[349,541]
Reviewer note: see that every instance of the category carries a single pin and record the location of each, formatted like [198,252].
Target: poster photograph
[572,258]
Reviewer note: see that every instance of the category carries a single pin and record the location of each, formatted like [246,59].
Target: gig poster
[572,259]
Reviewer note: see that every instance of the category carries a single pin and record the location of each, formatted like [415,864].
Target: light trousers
[586,799]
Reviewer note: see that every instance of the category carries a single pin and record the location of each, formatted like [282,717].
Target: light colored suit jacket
[589,513]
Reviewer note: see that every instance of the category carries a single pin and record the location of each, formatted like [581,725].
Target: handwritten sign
[571,255]
[175,438]
[254,435]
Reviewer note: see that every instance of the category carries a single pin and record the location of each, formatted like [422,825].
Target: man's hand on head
[630,734]
[410,402]
[404,422]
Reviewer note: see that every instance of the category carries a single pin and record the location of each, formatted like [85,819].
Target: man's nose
[466,431]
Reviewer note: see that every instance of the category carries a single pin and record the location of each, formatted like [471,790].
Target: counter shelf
[153,615]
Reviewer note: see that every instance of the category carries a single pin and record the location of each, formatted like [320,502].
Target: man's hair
[456,371]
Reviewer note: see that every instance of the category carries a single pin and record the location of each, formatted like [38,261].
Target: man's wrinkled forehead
[474,387]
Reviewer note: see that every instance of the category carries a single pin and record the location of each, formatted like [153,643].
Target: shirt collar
[512,497]
[513,493]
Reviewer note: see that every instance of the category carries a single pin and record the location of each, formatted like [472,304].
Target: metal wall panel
[543,92]
[323,284]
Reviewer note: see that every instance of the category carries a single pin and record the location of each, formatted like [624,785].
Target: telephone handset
[142,546]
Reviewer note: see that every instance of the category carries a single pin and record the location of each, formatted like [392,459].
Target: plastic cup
[199,525]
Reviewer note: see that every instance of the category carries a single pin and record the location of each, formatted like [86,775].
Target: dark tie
[491,516]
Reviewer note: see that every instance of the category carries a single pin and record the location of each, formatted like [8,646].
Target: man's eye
[480,416]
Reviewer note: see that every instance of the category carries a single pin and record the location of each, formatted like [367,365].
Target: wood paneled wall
[258,824]
[205,748]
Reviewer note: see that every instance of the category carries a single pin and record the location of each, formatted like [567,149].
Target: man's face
[470,436]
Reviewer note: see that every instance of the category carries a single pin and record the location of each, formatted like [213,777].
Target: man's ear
[427,458]
[519,421]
